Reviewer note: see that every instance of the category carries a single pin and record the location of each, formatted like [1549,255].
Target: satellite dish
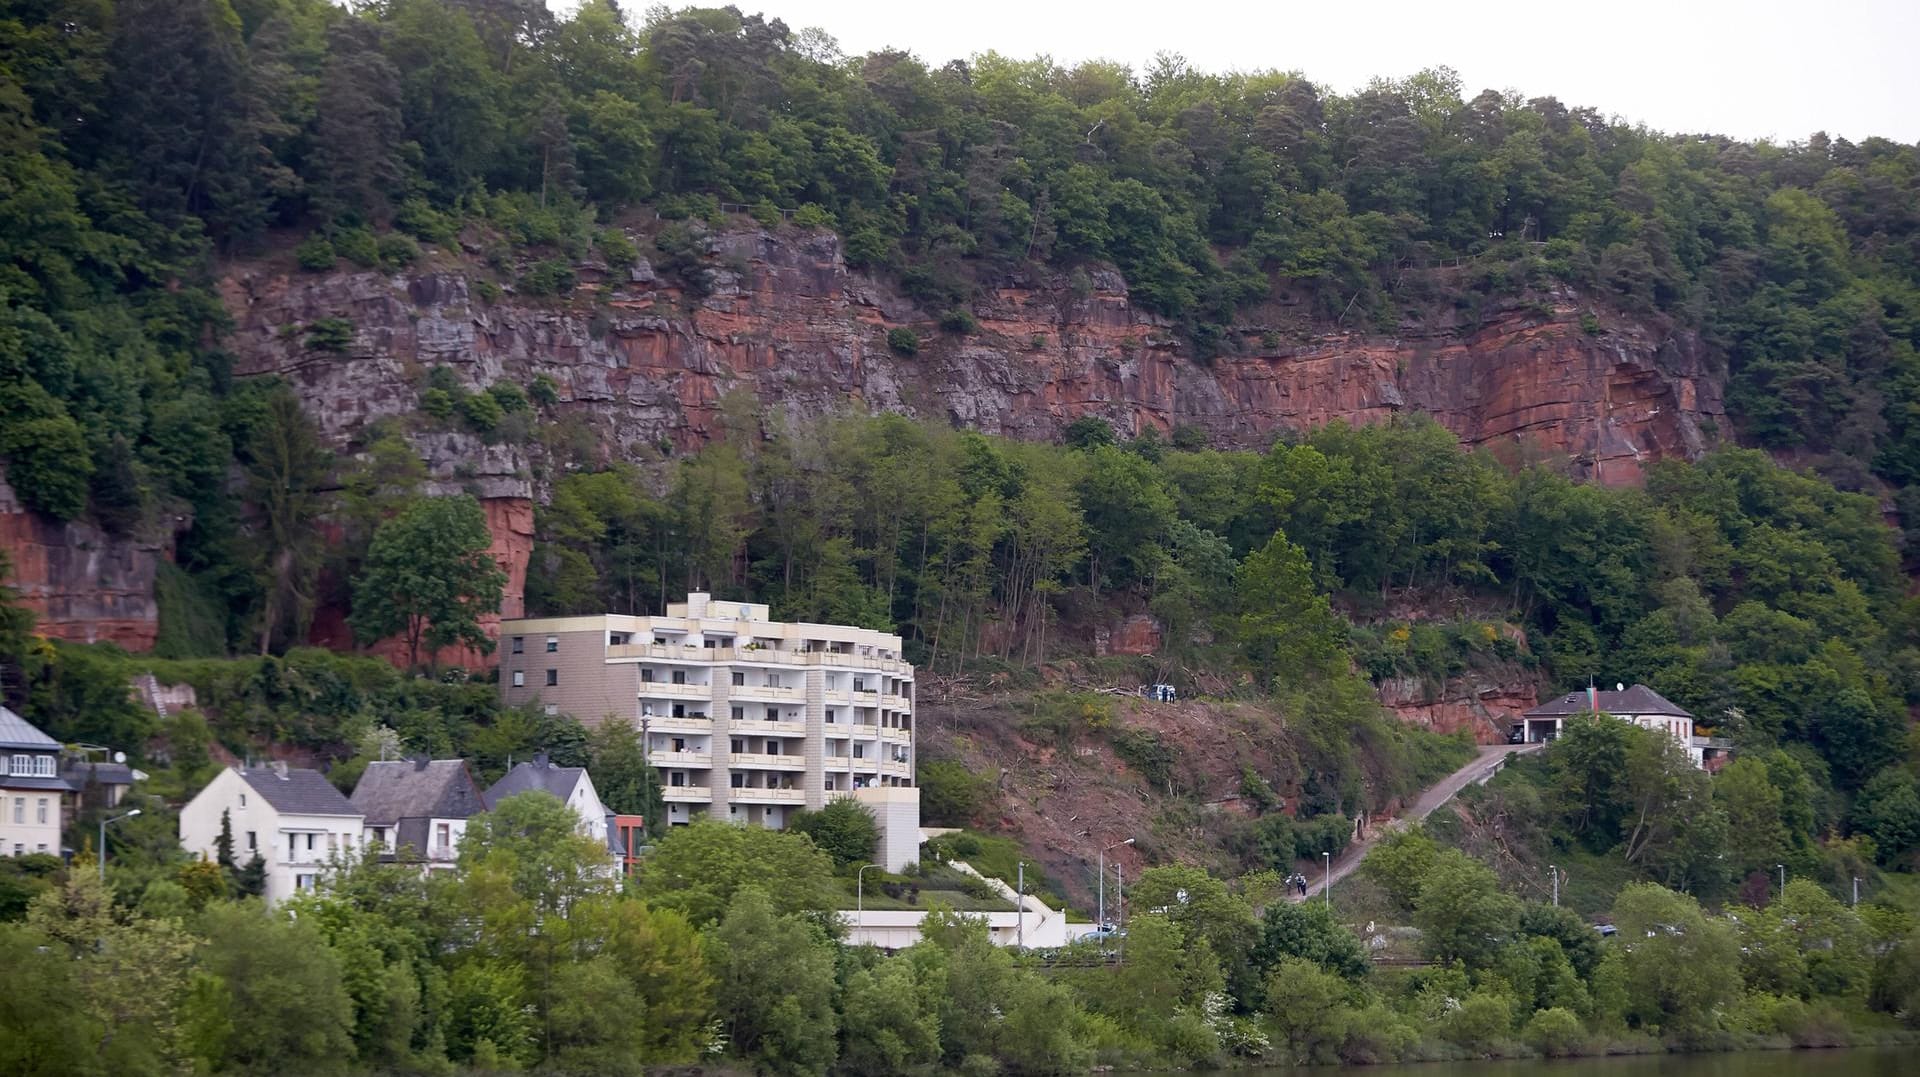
[1618,687]
[119,757]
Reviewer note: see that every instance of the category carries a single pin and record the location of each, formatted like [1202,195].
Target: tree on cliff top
[429,578]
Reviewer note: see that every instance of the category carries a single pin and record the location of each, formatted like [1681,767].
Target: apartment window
[859,684]
[677,779]
[617,639]
[333,841]
[833,716]
[519,645]
[773,680]
[20,810]
[553,677]
[519,678]
[831,786]
[553,644]
[859,751]
[739,679]
[552,709]
[773,747]
[679,676]
[304,882]
[40,811]
[739,714]
[738,745]
[679,710]
[310,842]
[737,780]
[773,714]
[19,848]
[679,744]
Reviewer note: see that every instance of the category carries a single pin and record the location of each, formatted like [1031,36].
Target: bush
[617,249]
[315,254]
[358,246]
[437,402]
[419,219]
[1480,1022]
[397,251]
[845,830]
[549,277]
[959,321]
[543,391]
[1555,1032]
[330,334]
[508,395]
[486,290]
[813,215]
[765,212]
[1146,753]
[482,412]
[904,341]
[951,794]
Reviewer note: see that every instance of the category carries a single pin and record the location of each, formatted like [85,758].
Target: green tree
[845,830]
[429,578]
[697,870]
[774,985]
[1309,931]
[286,470]
[1461,912]
[267,996]
[1678,967]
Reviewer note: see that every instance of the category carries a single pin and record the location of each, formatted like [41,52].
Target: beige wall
[21,830]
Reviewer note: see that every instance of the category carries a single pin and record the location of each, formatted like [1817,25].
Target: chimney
[280,768]
[697,603]
[540,760]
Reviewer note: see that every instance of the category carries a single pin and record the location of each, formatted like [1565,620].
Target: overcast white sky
[1756,69]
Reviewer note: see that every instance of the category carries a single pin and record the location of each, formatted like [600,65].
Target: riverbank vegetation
[723,951]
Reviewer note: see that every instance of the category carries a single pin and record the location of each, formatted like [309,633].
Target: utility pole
[1020,930]
[103,840]
[1856,891]
[1101,925]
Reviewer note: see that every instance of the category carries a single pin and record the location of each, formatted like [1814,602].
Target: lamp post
[103,840]
[1783,879]
[1020,906]
[860,895]
[1326,858]
[1554,870]
[1102,924]
[1856,891]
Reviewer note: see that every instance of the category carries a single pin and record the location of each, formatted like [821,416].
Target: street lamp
[1327,859]
[1102,925]
[1783,879]
[860,895]
[103,840]
[1554,871]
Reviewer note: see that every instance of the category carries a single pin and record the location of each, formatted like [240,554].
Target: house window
[739,679]
[304,882]
[243,800]
[519,678]
[553,644]
[43,766]
[553,677]
[20,809]
[442,836]
[253,842]
[519,645]
[333,841]
[40,810]
[23,764]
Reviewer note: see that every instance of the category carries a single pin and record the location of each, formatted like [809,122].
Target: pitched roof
[297,790]
[17,732]
[544,776]
[393,790]
[1638,699]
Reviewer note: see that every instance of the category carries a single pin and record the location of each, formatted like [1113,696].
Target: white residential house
[417,809]
[571,785]
[1639,705]
[31,788]
[292,817]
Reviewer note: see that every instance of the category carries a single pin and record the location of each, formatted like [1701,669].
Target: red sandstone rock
[81,583]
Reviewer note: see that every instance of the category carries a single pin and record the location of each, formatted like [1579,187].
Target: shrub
[1589,324]
[950,793]
[845,830]
[315,254]
[867,247]
[1480,1022]
[358,246]
[904,341]
[1555,1032]
[958,320]
[482,412]
[765,212]
[1146,753]
[437,403]
[418,218]
[486,290]
[508,395]
[543,391]
[813,215]
[397,251]
[549,277]
[330,334]
[616,248]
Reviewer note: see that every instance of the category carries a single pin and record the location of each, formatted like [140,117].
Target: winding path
[1484,765]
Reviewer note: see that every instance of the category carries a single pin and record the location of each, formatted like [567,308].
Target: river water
[1864,1062]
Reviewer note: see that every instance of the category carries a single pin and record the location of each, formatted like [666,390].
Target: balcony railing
[662,723]
[771,762]
[669,690]
[755,656]
[781,694]
[686,794]
[756,727]
[670,758]
[767,796]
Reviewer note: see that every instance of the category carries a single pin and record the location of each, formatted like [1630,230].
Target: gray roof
[298,791]
[103,773]
[17,732]
[1638,699]
[540,775]
[393,790]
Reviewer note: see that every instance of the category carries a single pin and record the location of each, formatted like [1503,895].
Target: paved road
[1488,760]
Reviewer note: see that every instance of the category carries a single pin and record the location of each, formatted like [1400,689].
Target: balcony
[767,796]
[757,728]
[769,762]
[902,769]
[867,732]
[750,692]
[669,758]
[686,794]
[898,736]
[660,723]
[669,690]
[865,699]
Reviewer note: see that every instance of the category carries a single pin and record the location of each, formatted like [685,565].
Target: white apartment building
[292,817]
[746,718]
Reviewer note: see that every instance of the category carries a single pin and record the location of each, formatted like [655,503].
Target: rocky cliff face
[643,363]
